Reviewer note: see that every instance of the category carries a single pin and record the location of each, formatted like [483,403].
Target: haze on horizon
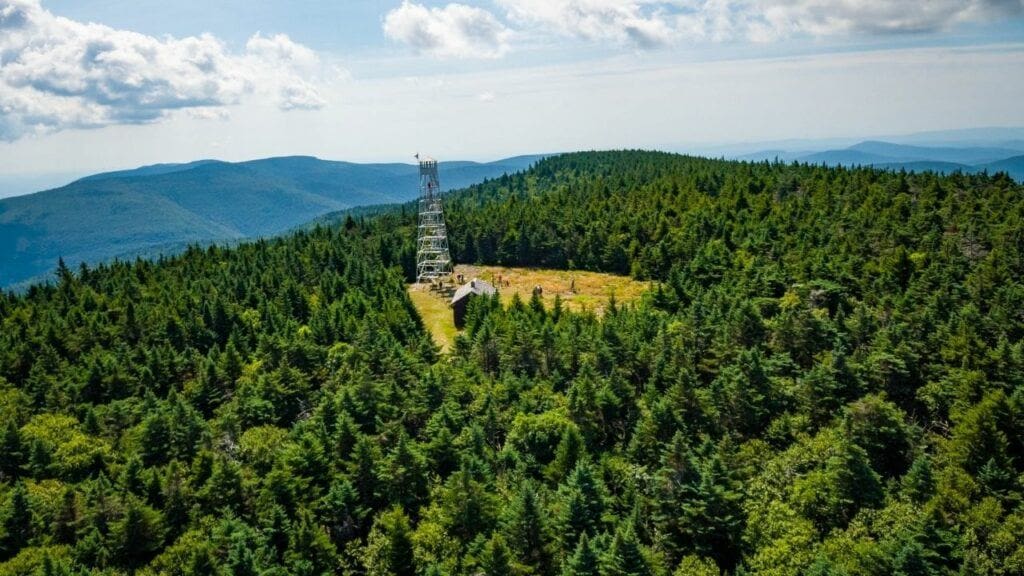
[93,85]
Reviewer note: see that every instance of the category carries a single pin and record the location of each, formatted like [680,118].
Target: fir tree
[11,452]
[584,560]
[524,525]
[496,560]
[625,557]
[17,524]
[389,549]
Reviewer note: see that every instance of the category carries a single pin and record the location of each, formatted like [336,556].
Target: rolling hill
[848,157]
[944,158]
[1013,166]
[961,155]
[131,212]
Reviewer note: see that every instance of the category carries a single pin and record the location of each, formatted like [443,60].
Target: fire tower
[432,258]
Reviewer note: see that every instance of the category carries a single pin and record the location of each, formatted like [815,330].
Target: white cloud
[767,20]
[300,95]
[292,62]
[456,30]
[281,50]
[57,73]
[831,17]
[641,23]
[648,24]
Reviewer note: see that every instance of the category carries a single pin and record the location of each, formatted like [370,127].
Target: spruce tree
[525,527]
[310,547]
[584,560]
[17,525]
[583,505]
[389,549]
[39,459]
[65,522]
[496,560]
[625,557]
[138,535]
[11,453]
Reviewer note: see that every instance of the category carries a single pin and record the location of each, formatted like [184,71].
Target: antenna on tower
[432,258]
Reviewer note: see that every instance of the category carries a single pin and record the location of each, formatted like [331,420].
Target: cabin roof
[475,287]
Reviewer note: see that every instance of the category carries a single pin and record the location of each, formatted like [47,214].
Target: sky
[93,85]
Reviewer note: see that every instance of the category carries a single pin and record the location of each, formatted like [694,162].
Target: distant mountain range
[166,206]
[1006,156]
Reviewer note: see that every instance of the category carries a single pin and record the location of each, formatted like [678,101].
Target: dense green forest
[827,380]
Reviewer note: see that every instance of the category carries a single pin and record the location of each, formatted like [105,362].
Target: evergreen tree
[310,549]
[176,507]
[625,558]
[224,487]
[11,453]
[65,522]
[584,561]
[241,560]
[698,504]
[138,535]
[342,512]
[570,449]
[389,547]
[467,508]
[39,459]
[583,505]
[525,528]
[496,560]
[404,474]
[364,471]
[91,550]
[17,523]
[918,483]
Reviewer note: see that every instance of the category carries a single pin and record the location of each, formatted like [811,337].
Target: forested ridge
[828,379]
[166,207]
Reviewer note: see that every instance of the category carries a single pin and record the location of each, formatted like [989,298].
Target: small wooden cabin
[465,293]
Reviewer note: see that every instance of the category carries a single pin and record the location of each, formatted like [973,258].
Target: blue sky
[331,26]
[89,85]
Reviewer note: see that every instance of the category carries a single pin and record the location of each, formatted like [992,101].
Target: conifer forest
[826,378]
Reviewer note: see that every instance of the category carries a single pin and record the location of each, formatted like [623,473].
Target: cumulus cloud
[57,73]
[455,30]
[289,62]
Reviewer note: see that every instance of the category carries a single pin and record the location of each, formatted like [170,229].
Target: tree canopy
[827,378]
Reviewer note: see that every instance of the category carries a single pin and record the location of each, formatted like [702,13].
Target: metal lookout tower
[432,258]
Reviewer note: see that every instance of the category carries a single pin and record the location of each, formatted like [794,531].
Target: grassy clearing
[436,314]
[591,292]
